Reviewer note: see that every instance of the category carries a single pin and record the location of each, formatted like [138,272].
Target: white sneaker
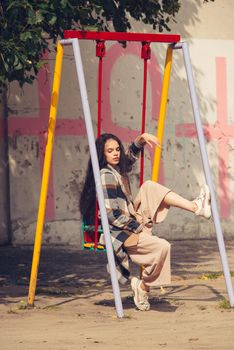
[203,203]
[140,296]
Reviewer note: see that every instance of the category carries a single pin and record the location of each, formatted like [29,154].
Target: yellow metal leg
[162,113]
[45,175]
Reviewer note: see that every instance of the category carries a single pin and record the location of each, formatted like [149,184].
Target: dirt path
[75,307]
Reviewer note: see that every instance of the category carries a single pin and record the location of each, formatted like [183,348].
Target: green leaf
[40,64]
[64,3]
[18,66]
[53,20]
[25,36]
[35,18]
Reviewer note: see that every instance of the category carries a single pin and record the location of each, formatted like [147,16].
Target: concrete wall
[4,173]
[208,28]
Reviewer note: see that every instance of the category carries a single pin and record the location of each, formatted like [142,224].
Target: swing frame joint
[100,48]
[146,50]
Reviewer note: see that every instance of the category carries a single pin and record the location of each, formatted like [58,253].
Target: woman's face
[112,152]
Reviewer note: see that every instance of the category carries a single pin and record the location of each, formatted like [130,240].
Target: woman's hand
[139,218]
[148,139]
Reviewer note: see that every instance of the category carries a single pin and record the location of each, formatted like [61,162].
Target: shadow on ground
[70,273]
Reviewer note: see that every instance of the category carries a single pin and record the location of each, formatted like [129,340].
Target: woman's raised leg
[200,206]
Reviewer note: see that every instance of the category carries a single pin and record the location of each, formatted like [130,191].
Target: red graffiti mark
[38,125]
[114,54]
[220,131]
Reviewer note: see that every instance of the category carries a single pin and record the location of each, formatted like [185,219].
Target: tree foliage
[26,26]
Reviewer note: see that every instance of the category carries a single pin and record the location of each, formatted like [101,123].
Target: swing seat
[88,237]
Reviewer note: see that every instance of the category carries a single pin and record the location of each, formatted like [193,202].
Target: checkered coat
[120,211]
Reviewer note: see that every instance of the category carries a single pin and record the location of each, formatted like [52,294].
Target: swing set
[91,234]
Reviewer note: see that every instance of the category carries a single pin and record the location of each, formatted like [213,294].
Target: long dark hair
[88,194]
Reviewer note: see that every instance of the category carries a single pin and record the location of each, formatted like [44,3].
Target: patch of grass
[224,304]
[211,276]
[22,305]
[214,275]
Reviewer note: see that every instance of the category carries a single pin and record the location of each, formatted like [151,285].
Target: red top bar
[121,36]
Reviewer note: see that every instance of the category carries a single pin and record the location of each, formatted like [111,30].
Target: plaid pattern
[121,262]
[120,211]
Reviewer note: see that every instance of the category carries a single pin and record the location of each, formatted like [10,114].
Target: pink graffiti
[23,125]
[220,131]
[37,126]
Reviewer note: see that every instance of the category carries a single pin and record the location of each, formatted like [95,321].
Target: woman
[131,221]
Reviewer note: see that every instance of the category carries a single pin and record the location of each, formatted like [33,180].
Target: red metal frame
[145,55]
[100,52]
[100,38]
[121,36]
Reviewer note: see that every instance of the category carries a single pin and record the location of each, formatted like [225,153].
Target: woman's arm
[148,139]
[136,147]
[115,203]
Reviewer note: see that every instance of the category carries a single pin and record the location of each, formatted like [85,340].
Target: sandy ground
[74,306]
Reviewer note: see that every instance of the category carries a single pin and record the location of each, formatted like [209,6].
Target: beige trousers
[150,251]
